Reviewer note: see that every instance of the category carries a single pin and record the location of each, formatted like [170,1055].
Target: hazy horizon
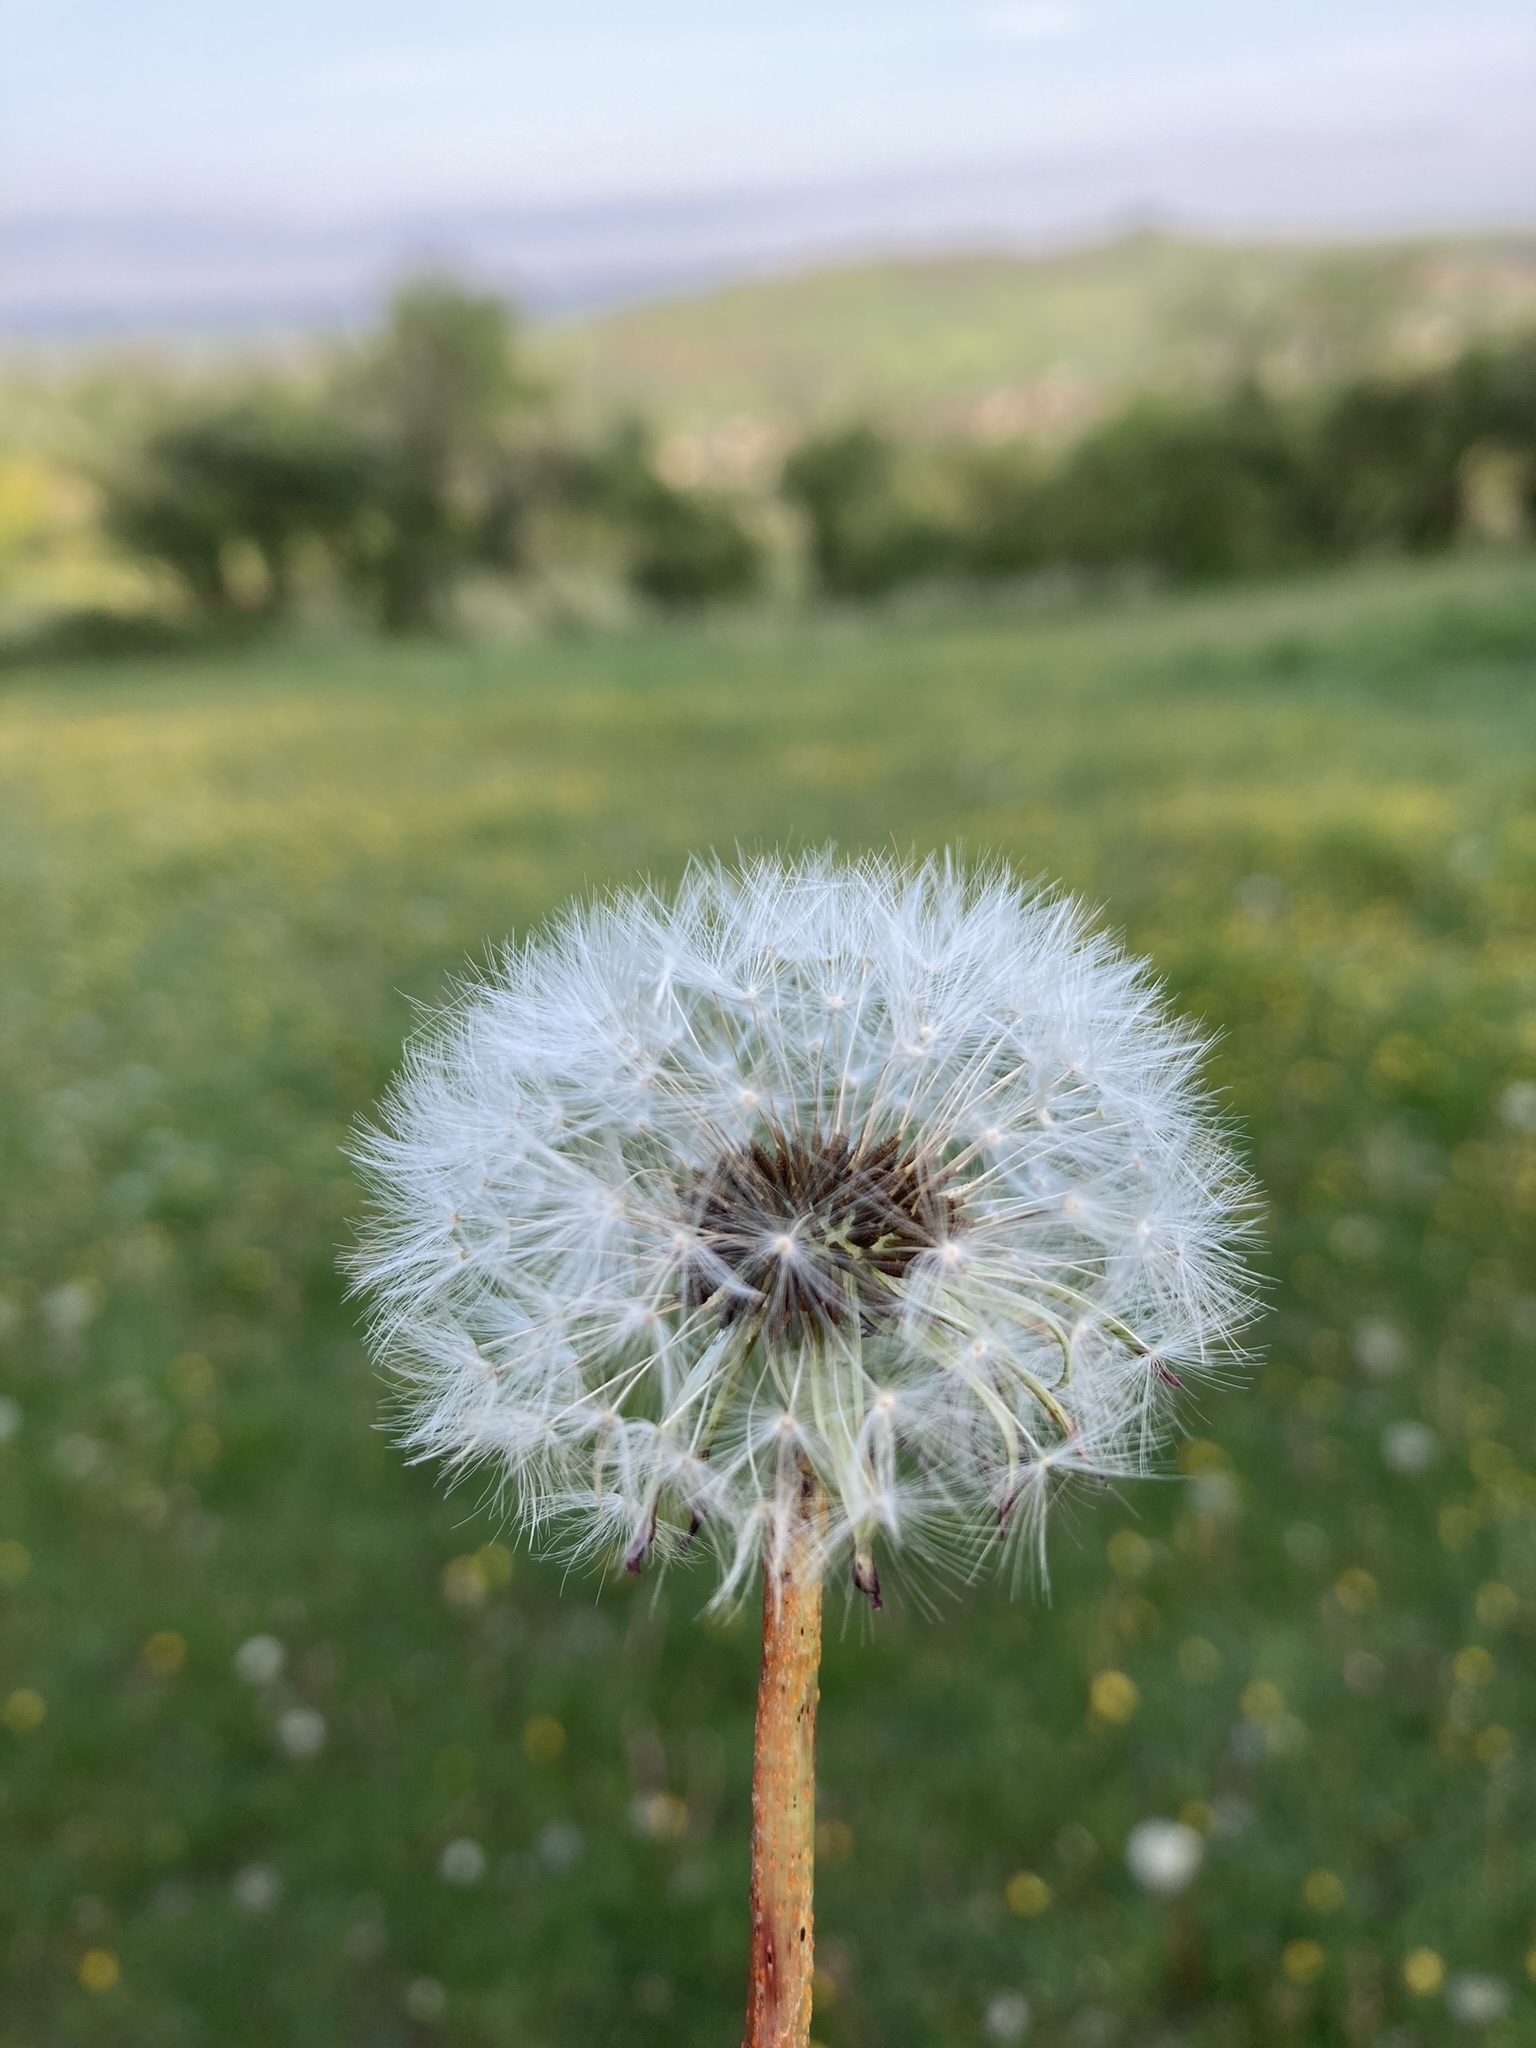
[175,168]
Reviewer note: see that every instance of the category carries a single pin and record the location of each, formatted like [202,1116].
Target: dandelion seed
[820,1211]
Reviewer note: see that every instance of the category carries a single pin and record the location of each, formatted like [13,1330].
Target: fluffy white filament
[536,1250]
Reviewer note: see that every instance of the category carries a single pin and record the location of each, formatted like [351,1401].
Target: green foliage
[434,400]
[682,548]
[225,889]
[1390,458]
[425,462]
[262,474]
[1213,491]
[1242,486]
[873,524]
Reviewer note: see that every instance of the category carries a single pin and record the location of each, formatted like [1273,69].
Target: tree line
[432,451]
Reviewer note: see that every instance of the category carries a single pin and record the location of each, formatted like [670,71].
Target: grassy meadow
[294,1750]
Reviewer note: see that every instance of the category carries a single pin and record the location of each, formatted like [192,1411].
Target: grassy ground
[224,885]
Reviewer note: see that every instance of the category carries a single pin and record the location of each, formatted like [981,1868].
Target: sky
[223,162]
[322,108]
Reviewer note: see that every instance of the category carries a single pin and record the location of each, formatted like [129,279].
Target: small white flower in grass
[1410,1448]
[10,1418]
[256,1888]
[898,1177]
[1164,1856]
[1476,2000]
[301,1733]
[1006,2019]
[259,1660]
[462,1862]
[1379,1348]
[561,1845]
[425,1999]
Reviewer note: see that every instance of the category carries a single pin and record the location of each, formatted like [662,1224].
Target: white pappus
[894,1179]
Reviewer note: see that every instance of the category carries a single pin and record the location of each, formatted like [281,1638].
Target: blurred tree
[1495,402]
[1008,510]
[234,487]
[1194,492]
[683,547]
[435,402]
[878,515]
[1388,456]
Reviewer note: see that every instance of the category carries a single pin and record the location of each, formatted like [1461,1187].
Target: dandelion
[822,1214]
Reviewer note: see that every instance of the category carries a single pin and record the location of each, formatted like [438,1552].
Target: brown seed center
[803,1234]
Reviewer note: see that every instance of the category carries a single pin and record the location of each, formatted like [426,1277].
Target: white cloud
[1026,21]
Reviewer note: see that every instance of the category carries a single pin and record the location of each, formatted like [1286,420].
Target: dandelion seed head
[896,1176]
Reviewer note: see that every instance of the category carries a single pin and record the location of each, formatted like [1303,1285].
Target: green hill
[998,345]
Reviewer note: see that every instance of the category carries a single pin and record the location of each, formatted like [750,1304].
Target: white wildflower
[301,1733]
[1164,1856]
[1477,2000]
[425,1999]
[256,1888]
[462,1862]
[260,1660]
[893,1179]
[1411,1448]
[1006,2019]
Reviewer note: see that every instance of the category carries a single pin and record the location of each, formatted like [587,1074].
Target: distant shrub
[1201,492]
[1387,461]
[94,633]
[680,547]
[226,497]
[1394,458]
[693,549]
[1213,491]
[1244,485]
[878,515]
[1009,520]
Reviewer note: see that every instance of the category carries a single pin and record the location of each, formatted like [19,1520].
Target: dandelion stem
[784,1783]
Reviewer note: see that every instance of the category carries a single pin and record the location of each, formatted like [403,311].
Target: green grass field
[225,884]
